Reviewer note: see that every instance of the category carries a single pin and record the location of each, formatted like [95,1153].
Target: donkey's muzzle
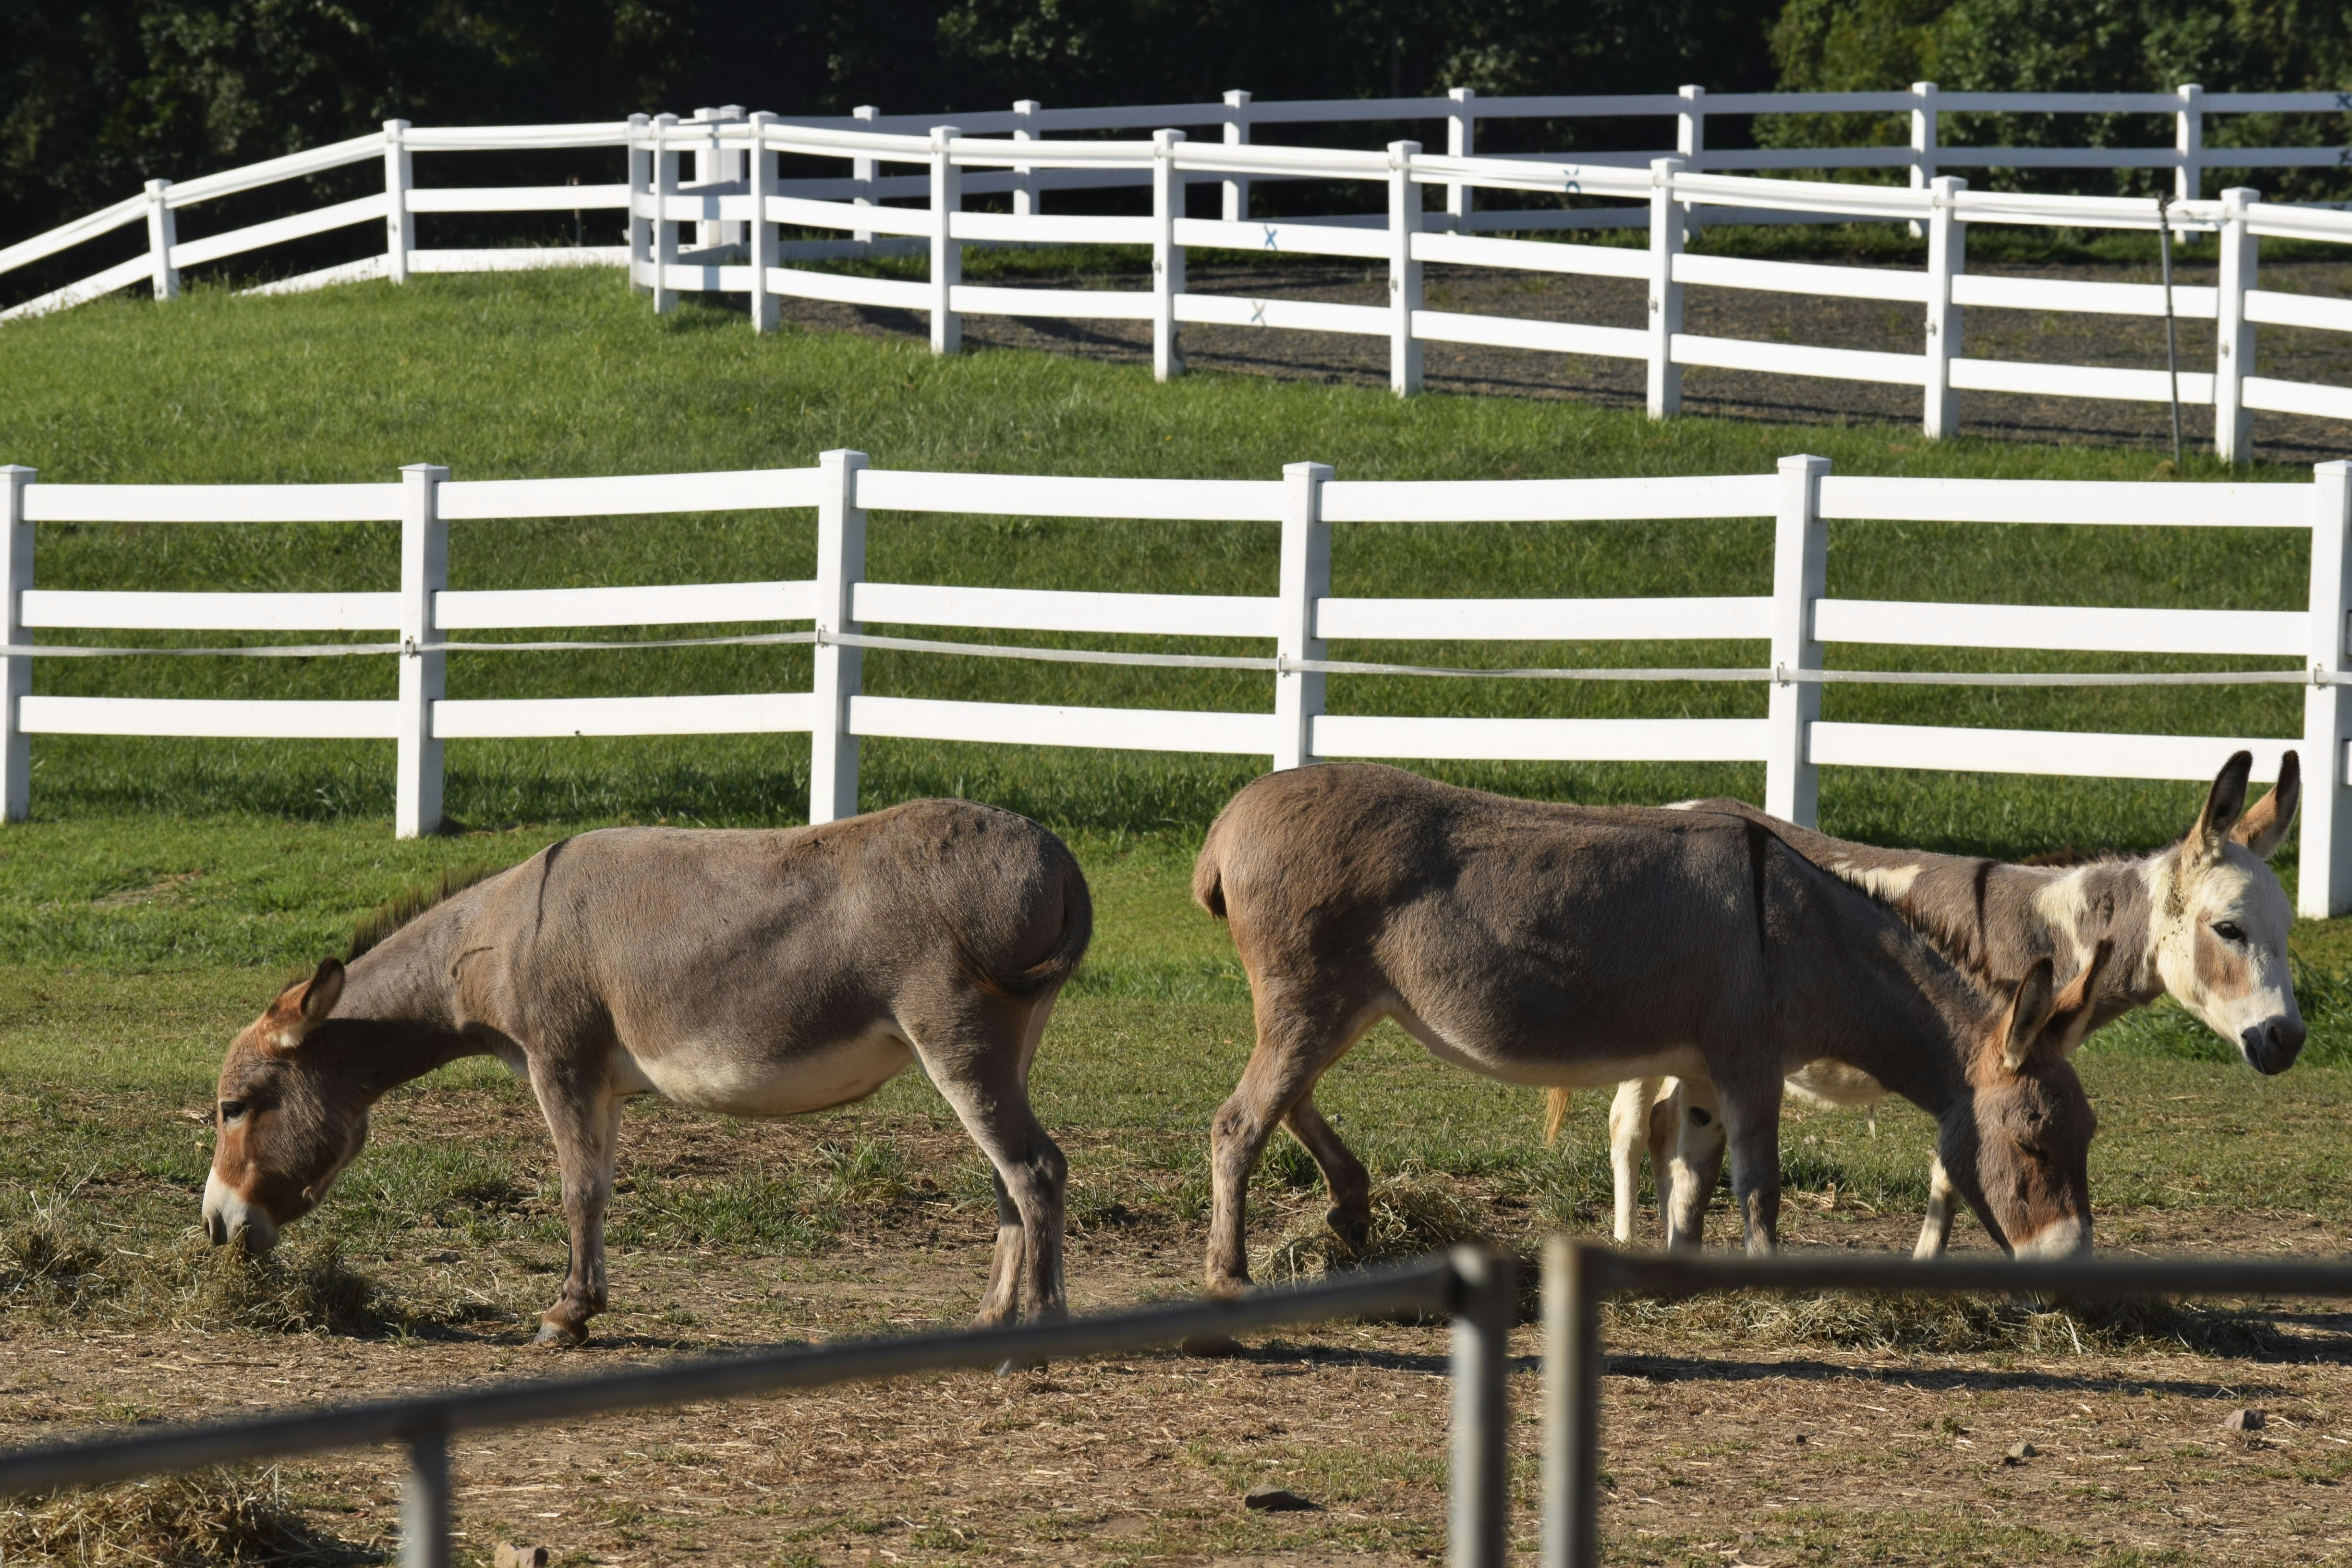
[2271,1047]
[228,1217]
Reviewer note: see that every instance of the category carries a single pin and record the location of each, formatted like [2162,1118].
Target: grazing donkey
[758,974]
[2202,919]
[1567,945]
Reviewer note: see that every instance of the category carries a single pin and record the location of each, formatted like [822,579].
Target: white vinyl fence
[1298,617]
[709,208]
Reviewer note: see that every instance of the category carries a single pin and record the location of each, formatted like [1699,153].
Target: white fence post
[1025,178]
[16,673]
[840,567]
[1690,125]
[1792,785]
[862,170]
[163,234]
[946,254]
[729,164]
[2189,140]
[1461,142]
[665,231]
[423,670]
[1404,269]
[1306,580]
[2234,337]
[2325,880]
[1167,255]
[1665,294]
[767,310]
[399,225]
[1947,259]
[1237,134]
[1923,141]
[641,231]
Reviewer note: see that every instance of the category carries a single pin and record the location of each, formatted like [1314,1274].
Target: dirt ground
[1728,1440]
[2030,336]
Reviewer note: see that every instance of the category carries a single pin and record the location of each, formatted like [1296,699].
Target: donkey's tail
[1069,947]
[1555,1114]
[1209,878]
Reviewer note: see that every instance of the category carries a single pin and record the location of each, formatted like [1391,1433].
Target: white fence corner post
[641,183]
[862,171]
[1799,572]
[1947,259]
[947,253]
[1690,139]
[1461,142]
[163,234]
[1306,582]
[664,230]
[2233,336]
[15,671]
[2325,867]
[399,223]
[767,308]
[1167,255]
[1923,141]
[1024,177]
[1404,269]
[2189,142]
[1666,292]
[730,165]
[840,567]
[423,668]
[1237,134]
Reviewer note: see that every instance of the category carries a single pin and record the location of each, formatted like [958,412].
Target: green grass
[165,887]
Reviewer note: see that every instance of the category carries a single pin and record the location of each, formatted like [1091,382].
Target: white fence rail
[1300,617]
[707,207]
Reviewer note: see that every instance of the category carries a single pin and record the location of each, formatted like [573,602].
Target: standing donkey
[1566,945]
[758,974]
[2202,919]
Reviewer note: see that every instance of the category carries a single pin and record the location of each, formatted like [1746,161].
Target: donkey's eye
[2230,931]
[231,1109]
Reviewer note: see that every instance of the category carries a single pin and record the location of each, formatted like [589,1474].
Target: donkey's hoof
[555,1335]
[1209,1345]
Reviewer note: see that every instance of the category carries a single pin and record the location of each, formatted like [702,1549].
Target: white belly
[727,1080]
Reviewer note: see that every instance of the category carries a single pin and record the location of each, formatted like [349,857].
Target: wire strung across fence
[1781,674]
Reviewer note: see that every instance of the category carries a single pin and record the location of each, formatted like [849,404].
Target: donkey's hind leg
[1293,1046]
[1344,1177]
[979,1059]
[1629,1132]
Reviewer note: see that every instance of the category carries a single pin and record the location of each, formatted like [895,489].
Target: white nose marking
[2059,1238]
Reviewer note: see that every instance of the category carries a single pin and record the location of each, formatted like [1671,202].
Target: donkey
[1565,945]
[758,974]
[2202,919]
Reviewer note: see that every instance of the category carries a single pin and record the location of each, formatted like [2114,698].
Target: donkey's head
[2018,1145]
[2218,919]
[291,1118]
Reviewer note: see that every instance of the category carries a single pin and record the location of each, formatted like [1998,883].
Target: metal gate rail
[1476,1287]
[1579,1276]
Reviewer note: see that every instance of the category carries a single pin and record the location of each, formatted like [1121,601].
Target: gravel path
[2035,336]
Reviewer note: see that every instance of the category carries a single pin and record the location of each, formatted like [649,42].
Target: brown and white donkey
[2202,919]
[758,974]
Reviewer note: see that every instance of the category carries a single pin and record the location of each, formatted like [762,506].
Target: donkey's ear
[2263,827]
[302,1007]
[2028,1011]
[2223,802]
[2072,1009]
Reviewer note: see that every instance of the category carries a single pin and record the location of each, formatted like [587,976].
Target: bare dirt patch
[1732,1437]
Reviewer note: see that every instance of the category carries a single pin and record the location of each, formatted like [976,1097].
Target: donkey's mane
[393,913]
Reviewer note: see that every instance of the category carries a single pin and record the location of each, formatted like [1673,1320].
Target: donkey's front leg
[1752,1123]
[1935,1231]
[585,1121]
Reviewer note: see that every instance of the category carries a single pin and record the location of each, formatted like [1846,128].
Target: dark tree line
[97,96]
